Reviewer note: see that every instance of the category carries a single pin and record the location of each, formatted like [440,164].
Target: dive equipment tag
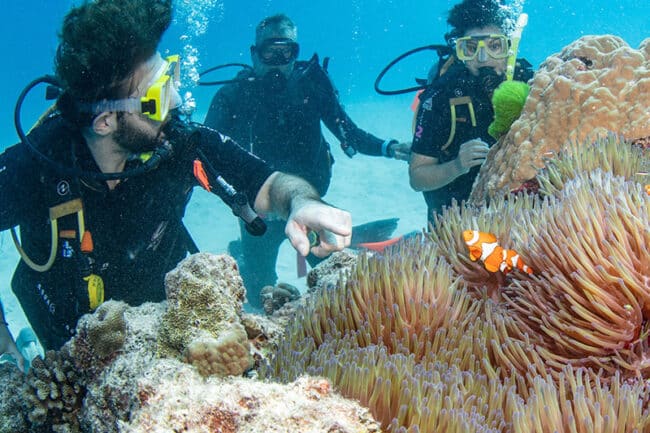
[95,290]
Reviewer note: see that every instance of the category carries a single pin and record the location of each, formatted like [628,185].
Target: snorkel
[515,37]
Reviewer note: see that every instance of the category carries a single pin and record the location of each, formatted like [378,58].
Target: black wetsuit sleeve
[338,121]
[17,179]
[243,170]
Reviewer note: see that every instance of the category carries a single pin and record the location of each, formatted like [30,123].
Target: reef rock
[205,294]
[12,389]
[328,273]
[595,86]
[175,398]
[95,386]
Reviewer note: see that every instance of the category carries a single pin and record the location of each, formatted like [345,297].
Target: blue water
[360,36]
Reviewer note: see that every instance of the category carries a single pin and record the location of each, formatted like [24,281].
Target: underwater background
[359,36]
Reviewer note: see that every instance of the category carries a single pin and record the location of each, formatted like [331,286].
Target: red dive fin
[379,246]
[382,245]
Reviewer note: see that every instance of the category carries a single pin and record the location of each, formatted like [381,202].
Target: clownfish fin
[474,253]
[492,267]
[486,238]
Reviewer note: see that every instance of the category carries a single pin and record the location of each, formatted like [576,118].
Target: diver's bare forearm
[287,192]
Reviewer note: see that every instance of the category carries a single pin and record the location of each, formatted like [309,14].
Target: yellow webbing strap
[453,102]
[56,212]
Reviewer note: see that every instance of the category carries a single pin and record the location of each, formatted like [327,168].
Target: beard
[133,139]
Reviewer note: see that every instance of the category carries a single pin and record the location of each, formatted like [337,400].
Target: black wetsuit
[280,122]
[136,227]
[433,127]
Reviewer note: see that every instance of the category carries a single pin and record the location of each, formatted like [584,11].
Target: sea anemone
[430,341]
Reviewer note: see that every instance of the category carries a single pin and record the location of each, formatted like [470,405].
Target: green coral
[508,101]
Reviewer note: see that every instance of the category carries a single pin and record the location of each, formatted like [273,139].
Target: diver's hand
[401,151]
[7,345]
[471,153]
[333,226]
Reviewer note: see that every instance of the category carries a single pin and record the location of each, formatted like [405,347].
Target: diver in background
[451,138]
[105,178]
[275,112]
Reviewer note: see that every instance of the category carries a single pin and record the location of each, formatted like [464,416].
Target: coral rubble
[110,377]
[186,402]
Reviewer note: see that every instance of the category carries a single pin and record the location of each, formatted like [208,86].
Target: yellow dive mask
[158,99]
[495,45]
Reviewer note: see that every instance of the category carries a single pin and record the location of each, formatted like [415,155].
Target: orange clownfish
[647,189]
[484,246]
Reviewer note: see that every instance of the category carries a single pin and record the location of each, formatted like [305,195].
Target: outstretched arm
[295,200]
[346,131]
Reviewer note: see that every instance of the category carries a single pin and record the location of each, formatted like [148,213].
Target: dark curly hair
[102,42]
[471,14]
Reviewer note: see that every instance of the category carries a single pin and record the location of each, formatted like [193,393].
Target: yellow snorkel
[515,37]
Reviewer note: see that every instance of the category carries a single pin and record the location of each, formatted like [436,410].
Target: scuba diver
[100,185]
[450,137]
[274,110]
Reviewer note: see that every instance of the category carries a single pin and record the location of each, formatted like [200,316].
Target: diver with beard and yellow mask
[451,138]
[99,186]
[274,110]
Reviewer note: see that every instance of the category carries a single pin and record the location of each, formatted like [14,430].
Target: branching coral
[56,392]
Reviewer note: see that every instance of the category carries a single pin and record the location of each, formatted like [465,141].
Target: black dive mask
[277,51]
[488,79]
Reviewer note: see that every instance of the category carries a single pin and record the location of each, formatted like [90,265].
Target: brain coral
[595,85]
[432,342]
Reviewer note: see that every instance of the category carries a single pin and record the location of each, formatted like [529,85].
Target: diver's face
[136,132]
[262,52]
[483,58]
